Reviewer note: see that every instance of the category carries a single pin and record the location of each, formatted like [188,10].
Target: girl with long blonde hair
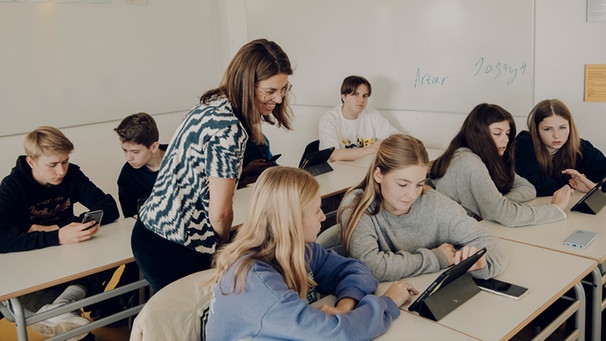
[400,227]
[268,275]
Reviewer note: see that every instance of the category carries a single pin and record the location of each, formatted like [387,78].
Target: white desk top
[552,236]
[547,275]
[410,326]
[344,176]
[364,162]
[30,271]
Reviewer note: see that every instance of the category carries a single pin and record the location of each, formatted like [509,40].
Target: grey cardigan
[468,182]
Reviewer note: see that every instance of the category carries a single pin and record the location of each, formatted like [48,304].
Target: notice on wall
[595,83]
[596,10]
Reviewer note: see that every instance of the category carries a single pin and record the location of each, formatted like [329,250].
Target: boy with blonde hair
[37,210]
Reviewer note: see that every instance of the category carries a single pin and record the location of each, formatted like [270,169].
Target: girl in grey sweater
[477,171]
[400,228]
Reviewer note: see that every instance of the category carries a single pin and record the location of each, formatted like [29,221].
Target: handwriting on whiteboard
[499,70]
[429,79]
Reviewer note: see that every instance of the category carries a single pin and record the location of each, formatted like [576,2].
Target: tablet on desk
[316,163]
[593,201]
[446,277]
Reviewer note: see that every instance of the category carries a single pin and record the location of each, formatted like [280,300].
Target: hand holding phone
[92,215]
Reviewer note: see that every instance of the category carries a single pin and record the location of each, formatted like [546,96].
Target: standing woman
[189,211]
[551,154]
[477,171]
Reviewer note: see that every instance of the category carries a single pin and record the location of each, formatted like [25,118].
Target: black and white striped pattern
[209,142]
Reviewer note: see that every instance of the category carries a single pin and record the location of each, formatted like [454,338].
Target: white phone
[502,288]
[581,238]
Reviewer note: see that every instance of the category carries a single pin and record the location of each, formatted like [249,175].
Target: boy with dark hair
[352,127]
[37,210]
[139,136]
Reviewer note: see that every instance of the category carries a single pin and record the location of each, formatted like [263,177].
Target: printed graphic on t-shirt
[359,143]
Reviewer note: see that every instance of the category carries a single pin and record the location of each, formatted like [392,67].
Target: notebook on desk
[316,163]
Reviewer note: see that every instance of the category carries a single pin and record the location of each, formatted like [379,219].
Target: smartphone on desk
[92,215]
[581,238]
[502,288]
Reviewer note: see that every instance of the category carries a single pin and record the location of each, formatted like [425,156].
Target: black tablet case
[448,298]
[592,202]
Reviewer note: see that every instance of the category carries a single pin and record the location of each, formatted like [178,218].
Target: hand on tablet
[401,292]
[465,252]
[578,181]
[561,197]
[449,251]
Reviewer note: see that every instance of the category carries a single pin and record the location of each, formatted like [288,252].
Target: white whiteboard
[67,64]
[423,55]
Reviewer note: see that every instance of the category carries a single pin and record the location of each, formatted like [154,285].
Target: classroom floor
[8,332]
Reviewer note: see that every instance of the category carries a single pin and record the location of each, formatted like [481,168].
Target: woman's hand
[401,292]
[578,181]
[449,251]
[467,251]
[561,197]
[344,306]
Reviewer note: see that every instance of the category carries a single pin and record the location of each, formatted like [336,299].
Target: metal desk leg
[580,315]
[596,309]
[19,313]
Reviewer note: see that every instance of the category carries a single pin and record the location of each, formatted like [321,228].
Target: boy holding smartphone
[37,210]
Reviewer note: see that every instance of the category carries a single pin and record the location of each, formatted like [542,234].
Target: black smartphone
[502,288]
[92,215]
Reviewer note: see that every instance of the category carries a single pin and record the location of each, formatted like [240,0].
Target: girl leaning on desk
[477,170]
[189,212]
[270,273]
[400,227]
[551,154]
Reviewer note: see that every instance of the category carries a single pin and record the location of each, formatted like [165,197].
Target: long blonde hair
[396,152]
[273,231]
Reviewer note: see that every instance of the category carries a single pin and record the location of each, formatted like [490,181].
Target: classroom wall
[564,42]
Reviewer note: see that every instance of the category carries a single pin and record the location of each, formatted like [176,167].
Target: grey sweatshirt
[396,247]
[468,182]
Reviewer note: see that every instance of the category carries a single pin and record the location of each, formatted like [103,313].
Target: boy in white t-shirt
[354,129]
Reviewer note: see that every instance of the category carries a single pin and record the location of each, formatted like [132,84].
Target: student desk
[547,274]
[30,271]
[364,162]
[344,175]
[409,326]
[552,236]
